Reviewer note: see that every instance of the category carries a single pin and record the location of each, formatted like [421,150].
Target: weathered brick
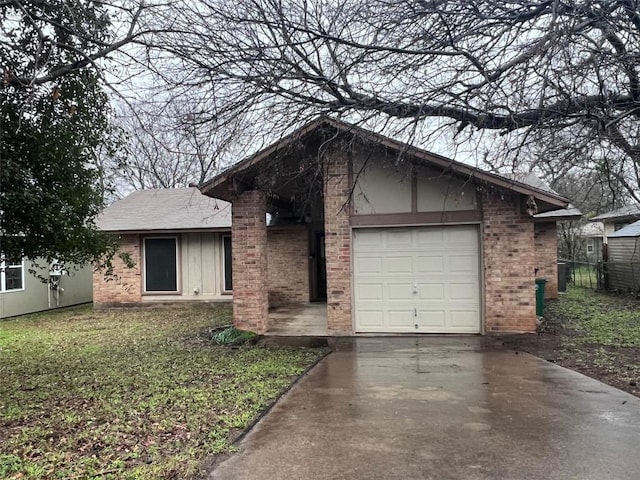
[124,285]
[288,264]
[249,237]
[546,238]
[337,244]
[509,265]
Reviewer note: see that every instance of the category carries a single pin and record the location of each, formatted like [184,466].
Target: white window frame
[3,276]
[224,266]
[590,247]
[178,290]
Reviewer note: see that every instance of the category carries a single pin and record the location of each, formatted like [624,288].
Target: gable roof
[165,209]
[632,230]
[628,212]
[219,185]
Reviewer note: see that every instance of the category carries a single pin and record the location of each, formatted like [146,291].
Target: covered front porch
[306,320]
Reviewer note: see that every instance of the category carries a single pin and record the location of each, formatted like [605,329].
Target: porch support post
[249,247]
[338,243]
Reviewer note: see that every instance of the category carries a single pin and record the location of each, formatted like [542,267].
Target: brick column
[124,286]
[337,244]
[249,247]
[546,237]
[509,264]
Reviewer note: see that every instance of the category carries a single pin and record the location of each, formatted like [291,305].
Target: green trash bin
[540,284]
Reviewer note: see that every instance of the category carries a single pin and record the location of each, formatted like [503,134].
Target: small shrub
[233,336]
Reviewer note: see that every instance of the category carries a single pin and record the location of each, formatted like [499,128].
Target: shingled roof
[630,212]
[165,210]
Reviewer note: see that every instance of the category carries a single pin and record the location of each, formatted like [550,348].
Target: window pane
[160,265]
[228,262]
[13,278]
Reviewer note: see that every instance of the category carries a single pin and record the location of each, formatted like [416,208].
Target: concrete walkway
[441,408]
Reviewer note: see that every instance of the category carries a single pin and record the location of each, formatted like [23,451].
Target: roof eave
[211,187]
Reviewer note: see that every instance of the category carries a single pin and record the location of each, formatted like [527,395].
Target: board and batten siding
[201,268]
[36,296]
[624,263]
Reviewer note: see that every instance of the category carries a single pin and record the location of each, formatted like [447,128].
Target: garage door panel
[464,319]
[424,276]
[366,265]
[372,238]
[398,238]
[432,237]
[462,263]
[455,236]
[399,264]
[399,291]
[429,264]
[370,291]
[404,318]
[370,320]
[430,292]
[463,291]
[434,318]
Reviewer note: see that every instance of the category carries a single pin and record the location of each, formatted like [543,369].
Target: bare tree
[167,145]
[43,42]
[525,70]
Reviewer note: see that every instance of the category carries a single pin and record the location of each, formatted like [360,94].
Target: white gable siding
[380,188]
[439,193]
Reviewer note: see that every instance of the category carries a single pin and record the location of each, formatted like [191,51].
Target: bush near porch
[594,333]
[138,394]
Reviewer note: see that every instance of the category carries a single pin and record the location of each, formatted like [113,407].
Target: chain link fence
[584,274]
[618,277]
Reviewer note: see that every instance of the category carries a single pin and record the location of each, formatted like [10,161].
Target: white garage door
[418,279]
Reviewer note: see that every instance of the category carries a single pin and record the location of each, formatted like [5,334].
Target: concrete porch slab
[309,320]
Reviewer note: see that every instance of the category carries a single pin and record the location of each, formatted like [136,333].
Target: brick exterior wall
[249,238]
[509,263]
[337,244]
[546,239]
[124,287]
[288,264]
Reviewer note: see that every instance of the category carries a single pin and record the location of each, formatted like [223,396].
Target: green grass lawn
[595,333]
[139,394]
[598,318]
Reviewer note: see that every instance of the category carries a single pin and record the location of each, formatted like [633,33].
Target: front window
[590,245]
[161,264]
[11,274]
[228,261]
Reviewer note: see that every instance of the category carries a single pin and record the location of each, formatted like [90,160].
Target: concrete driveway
[441,408]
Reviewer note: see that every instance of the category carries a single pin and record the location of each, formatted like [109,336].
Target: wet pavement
[441,408]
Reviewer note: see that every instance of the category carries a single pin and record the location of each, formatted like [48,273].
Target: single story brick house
[180,242]
[393,238]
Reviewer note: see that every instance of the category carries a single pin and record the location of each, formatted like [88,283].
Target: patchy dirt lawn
[593,333]
[140,394]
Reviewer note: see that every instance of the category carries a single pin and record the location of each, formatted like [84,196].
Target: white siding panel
[380,188]
[440,193]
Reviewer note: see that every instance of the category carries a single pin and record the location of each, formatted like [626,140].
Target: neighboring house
[400,240]
[623,267]
[179,241]
[616,219]
[591,238]
[22,291]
